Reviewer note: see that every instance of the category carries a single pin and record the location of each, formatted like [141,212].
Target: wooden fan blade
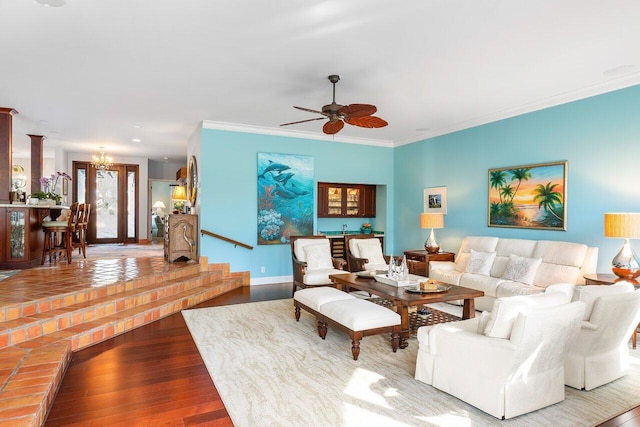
[357,110]
[331,128]
[366,122]
[310,110]
[303,121]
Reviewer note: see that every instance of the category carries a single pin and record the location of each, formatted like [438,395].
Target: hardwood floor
[154,376]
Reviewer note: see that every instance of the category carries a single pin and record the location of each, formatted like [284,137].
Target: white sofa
[508,267]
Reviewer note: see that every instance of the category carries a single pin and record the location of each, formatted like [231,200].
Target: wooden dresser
[180,237]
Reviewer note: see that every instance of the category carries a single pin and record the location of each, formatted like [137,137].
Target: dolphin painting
[278,167]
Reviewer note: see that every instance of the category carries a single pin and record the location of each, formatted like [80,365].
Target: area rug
[5,274]
[273,371]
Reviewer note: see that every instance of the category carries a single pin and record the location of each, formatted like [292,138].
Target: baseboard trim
[270,280]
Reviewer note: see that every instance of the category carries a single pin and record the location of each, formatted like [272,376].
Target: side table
[418,260]
[610,279]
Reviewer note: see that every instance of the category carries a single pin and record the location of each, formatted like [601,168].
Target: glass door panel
[106,204]
[335,201]
[353,201]
[131,205]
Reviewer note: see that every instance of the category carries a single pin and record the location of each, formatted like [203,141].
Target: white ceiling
[96,73]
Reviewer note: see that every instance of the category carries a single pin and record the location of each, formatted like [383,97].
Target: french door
[113,195]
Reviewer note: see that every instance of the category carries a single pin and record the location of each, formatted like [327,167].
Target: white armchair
[312,262]
[600,354]
[504,377]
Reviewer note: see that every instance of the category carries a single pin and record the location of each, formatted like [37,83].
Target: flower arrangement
[49,187]
[366,228]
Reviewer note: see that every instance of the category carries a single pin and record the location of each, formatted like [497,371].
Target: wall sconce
[625,226]
[431,220]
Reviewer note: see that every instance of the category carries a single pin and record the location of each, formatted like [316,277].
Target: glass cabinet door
[335,201]
[17,229]
[353,201]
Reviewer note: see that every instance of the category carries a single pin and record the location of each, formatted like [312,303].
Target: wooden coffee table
[402,299]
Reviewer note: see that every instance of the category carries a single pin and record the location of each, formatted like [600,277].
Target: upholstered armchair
[600,354]
[508,362]
[364,252]
[312,262]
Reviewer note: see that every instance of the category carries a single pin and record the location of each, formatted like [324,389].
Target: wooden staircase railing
[226,239]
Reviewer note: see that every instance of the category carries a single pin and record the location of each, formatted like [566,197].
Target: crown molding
[539,104]
[233,127]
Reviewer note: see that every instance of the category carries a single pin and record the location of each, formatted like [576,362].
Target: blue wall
[598,136]
[228,203]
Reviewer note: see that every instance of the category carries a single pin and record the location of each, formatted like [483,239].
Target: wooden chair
[57,237]
[79,231]
[369,258]
[312,266]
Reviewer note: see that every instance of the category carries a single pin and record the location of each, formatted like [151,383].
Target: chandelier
[101,162]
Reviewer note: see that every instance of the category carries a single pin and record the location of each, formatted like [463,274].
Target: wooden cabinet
[180,237]
[418,261]
[346,200]
[21,236]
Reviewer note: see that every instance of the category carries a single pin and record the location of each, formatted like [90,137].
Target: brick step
[16,331]
[31,370]
[24,309]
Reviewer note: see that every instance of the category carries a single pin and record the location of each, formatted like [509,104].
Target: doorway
[113,195]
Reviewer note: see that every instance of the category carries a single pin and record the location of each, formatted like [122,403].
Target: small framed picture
[435,200]
[65,186]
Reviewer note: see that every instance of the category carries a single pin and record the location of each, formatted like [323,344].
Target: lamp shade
[622,225]
[159,204]
[179,193]
[431,220]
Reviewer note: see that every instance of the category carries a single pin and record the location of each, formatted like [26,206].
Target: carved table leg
[404,325]
[297,313]
[355,349]
[322,329]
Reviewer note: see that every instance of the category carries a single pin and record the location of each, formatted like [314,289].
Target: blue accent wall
[228,196]
[598,136]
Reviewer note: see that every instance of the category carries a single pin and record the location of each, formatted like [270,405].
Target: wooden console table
[181,237]
[418,260]
[610,279]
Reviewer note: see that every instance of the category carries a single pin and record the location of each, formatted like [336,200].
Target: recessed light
[136,126]
[136,140]
[166,158]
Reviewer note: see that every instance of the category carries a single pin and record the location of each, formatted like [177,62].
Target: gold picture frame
[530,196]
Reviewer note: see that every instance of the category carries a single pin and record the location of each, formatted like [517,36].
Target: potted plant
[366,228]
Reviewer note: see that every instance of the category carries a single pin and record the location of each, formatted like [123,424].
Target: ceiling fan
[354,114]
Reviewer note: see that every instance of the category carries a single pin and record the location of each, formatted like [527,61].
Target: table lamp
[159,205]
[625,226]
[431,220]
[179,195]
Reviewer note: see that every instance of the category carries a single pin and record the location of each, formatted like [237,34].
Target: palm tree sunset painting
[532,196]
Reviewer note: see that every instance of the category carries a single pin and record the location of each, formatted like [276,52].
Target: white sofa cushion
[317,256]
[299,244]
[512,289]
[477,243]
[316,297]
[563,253]
[506,247]
[521,269]
[319,276]
[480,262]
[506,310]
[589,294]
[360,315]
[373,253]
[486,284]
[355,245]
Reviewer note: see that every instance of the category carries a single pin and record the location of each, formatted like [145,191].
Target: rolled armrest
[442,265]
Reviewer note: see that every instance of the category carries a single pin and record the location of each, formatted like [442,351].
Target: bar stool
[59,231]
[79,232]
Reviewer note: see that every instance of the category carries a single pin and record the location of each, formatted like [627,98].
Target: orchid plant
[49,185]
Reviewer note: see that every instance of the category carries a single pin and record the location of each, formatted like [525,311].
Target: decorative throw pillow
[373,254]
[480,262]
[589,294]
[506,310]
[317,256]
[521,269]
